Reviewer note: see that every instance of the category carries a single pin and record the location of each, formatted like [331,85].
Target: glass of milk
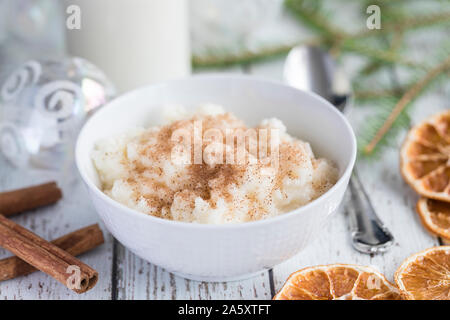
[135,42]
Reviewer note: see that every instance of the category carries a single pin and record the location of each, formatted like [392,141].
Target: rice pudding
[209,167]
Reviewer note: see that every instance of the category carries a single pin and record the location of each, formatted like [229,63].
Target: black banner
[235,309]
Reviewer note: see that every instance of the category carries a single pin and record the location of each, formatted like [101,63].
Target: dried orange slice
[435,216]
[426,275]
[337,282]
[425,157]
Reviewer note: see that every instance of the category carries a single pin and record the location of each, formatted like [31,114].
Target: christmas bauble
[43,105]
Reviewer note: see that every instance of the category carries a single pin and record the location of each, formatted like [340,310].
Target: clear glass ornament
[43,105]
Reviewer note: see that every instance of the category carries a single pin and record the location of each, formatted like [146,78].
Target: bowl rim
[192,225]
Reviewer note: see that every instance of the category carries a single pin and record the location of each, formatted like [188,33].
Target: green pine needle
[375,122]
[385,106]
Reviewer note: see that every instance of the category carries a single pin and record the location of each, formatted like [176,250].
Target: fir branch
[377,94]
[340,40]
[247,56]
[375,121]
[371,68]
[406,100]
[236,59]
[309,13]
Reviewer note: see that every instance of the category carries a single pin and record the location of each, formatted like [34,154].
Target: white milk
[135,42]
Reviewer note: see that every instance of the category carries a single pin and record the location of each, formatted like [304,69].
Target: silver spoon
[312,69]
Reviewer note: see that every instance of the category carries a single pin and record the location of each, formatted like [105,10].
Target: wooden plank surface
[138,279]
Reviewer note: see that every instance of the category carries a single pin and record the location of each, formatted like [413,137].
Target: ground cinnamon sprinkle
[244,174]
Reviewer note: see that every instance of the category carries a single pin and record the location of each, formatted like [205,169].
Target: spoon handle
[369,234]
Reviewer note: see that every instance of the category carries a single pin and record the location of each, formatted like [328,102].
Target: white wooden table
[125,276]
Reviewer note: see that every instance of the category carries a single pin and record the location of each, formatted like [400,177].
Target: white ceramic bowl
[221,252]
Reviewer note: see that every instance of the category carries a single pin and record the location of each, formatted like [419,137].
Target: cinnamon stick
[20,200]
[75,243]
[46,256]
